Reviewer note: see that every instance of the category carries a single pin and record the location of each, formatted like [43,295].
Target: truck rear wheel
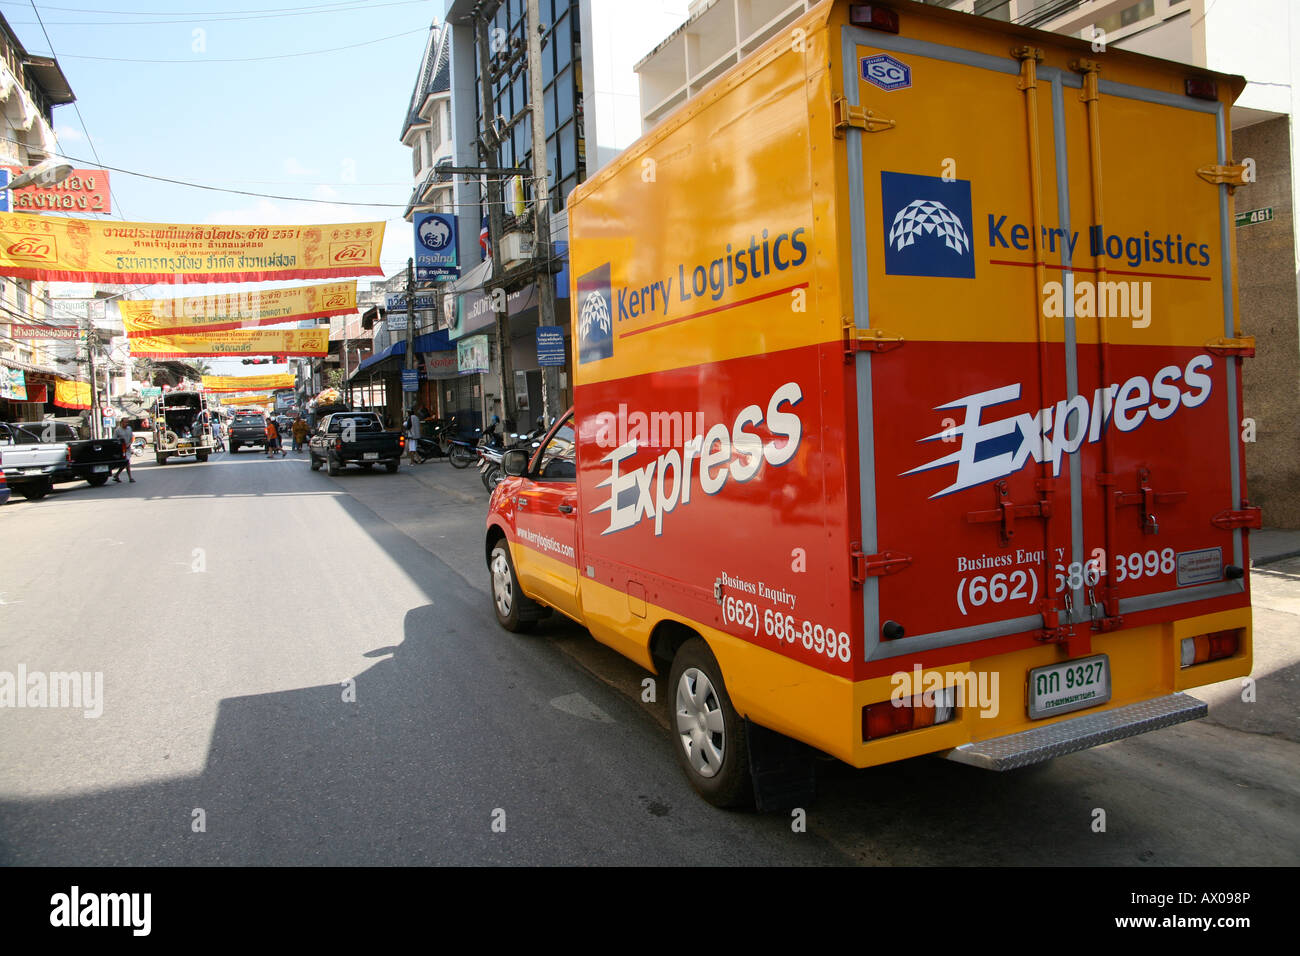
[315,462]
[96,480]
[203,456]
[514,611]
[332,466]
[709,735]
[391,466]
[160,458]
[36,490]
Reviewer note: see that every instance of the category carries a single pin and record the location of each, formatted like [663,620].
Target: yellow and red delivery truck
[907,401]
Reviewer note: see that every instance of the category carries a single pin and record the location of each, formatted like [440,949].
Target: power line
[351,8]
[323,7]
[243,59]
[81,119]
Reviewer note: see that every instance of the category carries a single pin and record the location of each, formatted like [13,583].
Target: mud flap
[783,770]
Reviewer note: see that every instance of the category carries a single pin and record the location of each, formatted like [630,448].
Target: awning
[428,342]
[27,367]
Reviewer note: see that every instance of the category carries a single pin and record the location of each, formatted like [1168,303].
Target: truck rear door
[1046,411]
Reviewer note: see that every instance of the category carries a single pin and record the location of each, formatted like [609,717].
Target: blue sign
[884,71]
[435,247]
[550,345]
[396,302]
[410,379]
[927,223]
[4,190]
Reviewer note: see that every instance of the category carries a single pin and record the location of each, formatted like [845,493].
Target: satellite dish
[45,173]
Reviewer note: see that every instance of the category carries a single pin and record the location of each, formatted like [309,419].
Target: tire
[492,476]
[515,612]
[233,448]
[36,490]
[160,458]
[96,480]
[315,462]
[332,466]
[709,737]
[203,456]
[391,466]
[462,457]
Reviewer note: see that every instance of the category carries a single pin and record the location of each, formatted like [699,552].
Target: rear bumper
[1078,733]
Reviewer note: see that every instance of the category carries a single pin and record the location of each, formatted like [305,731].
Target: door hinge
[857,117]
[1008,511]
[876,565]
[868,340]
[1147,499]
[1232,175]
[1240,347]
[1248,516]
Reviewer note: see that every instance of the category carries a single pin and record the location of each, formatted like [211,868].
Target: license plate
[370,456]
[100,468]
[33,471]
[1071,685]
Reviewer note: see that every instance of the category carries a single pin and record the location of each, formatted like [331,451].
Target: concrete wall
[1267,284]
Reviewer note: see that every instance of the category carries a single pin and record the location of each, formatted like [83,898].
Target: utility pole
[541,192]
[408,398]
[487,151]
[94,392]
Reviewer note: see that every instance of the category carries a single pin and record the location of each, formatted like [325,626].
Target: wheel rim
[700,725]
[502,585]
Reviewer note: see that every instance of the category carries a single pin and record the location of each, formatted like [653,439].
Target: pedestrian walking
[124,434]
[272,439]
[299,434]
[412,433]
[217,441]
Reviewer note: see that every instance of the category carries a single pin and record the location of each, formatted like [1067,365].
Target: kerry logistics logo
[595,324]
[927,224]
[33,248]
[353,252]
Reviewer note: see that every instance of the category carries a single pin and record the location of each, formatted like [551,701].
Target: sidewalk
[1273,544]
[462,484]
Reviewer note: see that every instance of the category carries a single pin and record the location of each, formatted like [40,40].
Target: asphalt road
[300,669]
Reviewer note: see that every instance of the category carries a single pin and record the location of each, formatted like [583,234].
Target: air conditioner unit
[516,247]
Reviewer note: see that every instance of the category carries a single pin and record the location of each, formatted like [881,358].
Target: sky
[170,89]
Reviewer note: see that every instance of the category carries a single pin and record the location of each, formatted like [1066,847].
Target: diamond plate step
[1078,733]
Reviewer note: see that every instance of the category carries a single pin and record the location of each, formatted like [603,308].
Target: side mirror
[515,462]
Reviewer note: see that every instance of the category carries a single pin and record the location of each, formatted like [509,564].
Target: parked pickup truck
[354,438]
[39,455]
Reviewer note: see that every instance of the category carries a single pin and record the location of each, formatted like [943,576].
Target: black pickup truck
[354,438]
[247,430]
[39,455]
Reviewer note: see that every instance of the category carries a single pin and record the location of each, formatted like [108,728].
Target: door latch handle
[566,509]
[521,502]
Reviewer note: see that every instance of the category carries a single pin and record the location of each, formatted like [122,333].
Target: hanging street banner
[235,342]
[239,310]
[71,394]
[247,383]
[44,332]
[55,248]
[83,191]
[245,399]
[435,247]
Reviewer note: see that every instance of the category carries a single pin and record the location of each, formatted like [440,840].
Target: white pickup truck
[38,455]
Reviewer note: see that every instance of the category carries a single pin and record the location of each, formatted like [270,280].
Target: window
[23,286]
[434,135]
[557,461]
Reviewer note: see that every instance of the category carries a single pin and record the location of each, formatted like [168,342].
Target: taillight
[873,17]
[401,441]
[1210,647]
[67,452]
[1201,88]
[896,717]
[338,444]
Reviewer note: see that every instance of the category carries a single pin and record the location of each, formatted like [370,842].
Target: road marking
[579,706]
